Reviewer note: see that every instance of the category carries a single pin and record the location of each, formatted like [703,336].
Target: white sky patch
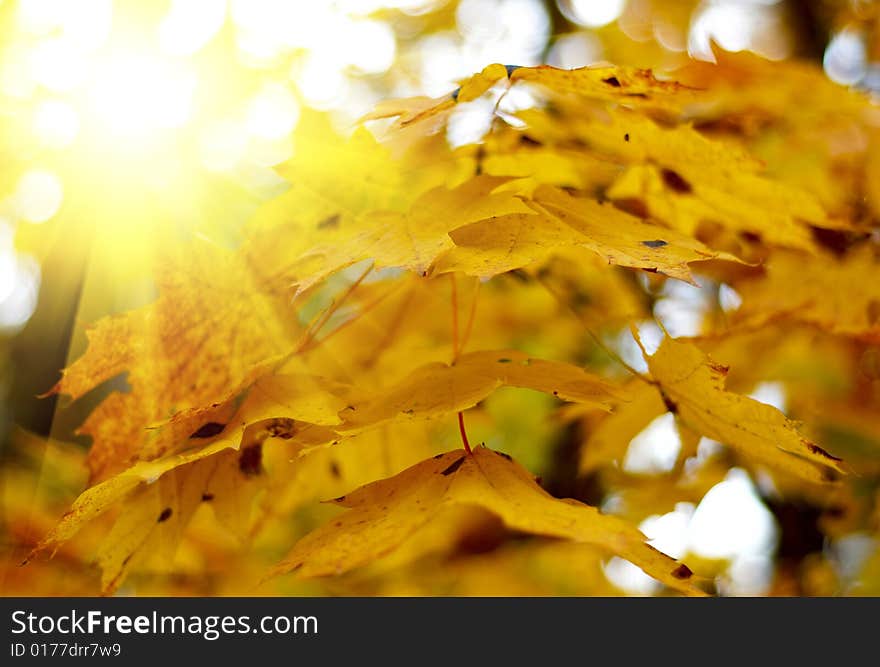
[655,449]
[730,523]
[222,144]
[845,60]
[771,393]
[591,13]
[630,578]
[470,121]
[137,94]
[56,123]
[272,113]
[667,533]
[58,65]
[190,25]
[20,301]
[368,46]
[575,50]
[38,196]
[736,25]
[626,346]
[681,309]
[320,82]
[728,298]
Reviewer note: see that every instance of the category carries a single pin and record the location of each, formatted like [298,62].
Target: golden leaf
[213,327]
[437,389]
[839,295]
[501,244]
[692,387]
[382,515]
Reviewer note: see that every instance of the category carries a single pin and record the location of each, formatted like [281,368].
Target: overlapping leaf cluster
[400,284]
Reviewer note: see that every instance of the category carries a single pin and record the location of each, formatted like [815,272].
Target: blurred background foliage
[129,124]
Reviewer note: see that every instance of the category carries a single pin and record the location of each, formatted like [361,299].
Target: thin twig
[611,353]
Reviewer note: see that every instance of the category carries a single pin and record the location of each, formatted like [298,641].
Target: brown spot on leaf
[330,222]
[626,137]
[671,405]
[612,81]
[504,360]
[334,470]
[339,499]
[633,206]
[528,141]
[506,456]
[816,449]
[208,430]
[682,572]
[164,515]
[207,497]
[282,427]
[452,467]
[656,243]
[676,182]
[250,460]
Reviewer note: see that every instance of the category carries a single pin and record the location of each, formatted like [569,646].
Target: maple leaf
[219,454]
[683,177]
[410,240]
[611,437]
[839,295]
[622,85]
[382,515]
[628,86]
[507,242]
[340,190]
[742,86]
[408,111]
[692,387]
[213,326]
[438,388]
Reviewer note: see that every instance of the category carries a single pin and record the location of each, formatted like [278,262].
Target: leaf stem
[322,319]
[611,353]
[470,321]
[455,351]
[455,348]
[461,430]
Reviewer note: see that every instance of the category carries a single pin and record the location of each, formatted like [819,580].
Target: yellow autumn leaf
[438,389]
[683,177]
[692,387]
[501,244]
[337,188]
[274,406]
[840,295]
[625,86]
[408,111]
[410,240]
[382,515]
[610,438]
[213,326]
